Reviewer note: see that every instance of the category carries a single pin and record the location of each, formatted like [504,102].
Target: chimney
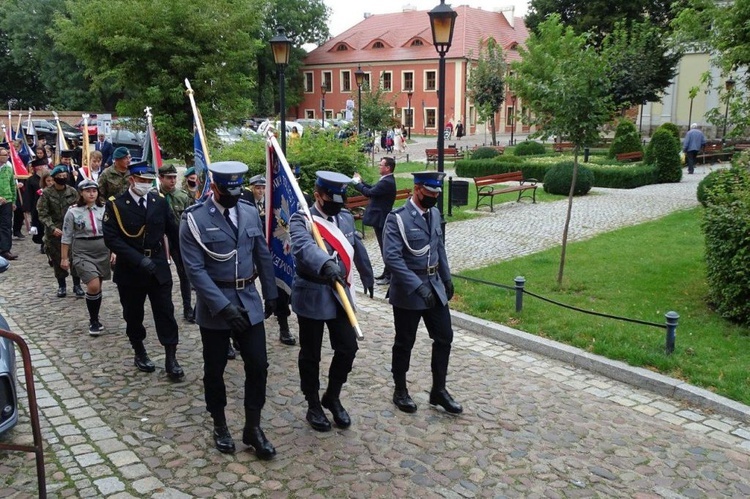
[509,13]
[409,8]
[368,14]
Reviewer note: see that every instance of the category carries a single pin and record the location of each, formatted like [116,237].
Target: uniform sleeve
[362,262]
[113,238]
[42,207]
[68,227]
[393,254]
[264,265]
[308,256]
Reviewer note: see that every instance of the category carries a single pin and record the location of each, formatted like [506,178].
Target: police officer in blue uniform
[135,224]
[316,302]
[224,251]
[421,286]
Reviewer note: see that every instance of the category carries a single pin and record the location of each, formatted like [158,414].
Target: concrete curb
[636,376]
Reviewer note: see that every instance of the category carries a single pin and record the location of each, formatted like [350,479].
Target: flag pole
[316,234]
[198,121]
[85,160]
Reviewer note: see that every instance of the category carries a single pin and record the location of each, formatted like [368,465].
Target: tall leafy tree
[486,85]
[144,63]
[564,81]
[376,110]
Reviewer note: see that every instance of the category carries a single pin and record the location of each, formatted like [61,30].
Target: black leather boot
[332,402]
[315,415]
[285,336]
[174,371]
[253,435]
[401,395]
[62,289]
[188,313]
[141,361]
[442,398]
[223,439]
[77,289]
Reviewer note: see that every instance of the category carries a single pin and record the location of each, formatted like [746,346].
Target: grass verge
[639,272]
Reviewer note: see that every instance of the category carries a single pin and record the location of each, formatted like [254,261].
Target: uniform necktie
[142,203]
[426,216]
[229,221]
[93,221]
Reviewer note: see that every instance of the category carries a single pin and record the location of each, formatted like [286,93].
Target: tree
[145,63]
[376,110]
[563,81]
[486,85]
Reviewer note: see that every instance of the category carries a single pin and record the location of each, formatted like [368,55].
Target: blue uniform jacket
[382,196]
[317,300]
[203,271]
[409,271]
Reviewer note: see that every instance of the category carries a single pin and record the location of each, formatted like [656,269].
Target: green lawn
[639,272]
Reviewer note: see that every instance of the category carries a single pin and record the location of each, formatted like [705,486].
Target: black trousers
[379,236]
[6,227]
[252,346]
[282,303]
[344,344]
[133,299]
[437,320]
[18,217]
[691,157]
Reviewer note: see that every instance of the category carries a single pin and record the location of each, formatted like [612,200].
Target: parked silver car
[8,385]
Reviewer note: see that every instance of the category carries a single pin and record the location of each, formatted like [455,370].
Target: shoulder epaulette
[112,198]
[193,207]
[399,209]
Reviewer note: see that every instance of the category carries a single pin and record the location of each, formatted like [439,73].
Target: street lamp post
[281,47]
[729,85]
[512,118]
[442,22]
[409,94]
[323,90]
[359,77]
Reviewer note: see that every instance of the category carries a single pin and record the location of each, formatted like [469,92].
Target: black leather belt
[236,284]
[428,271]
[149,252]
[90,238]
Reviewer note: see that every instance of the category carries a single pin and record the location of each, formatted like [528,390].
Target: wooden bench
[563,146]
[358,204]
[449,153]
[714,153]
[491,185]
[630,156]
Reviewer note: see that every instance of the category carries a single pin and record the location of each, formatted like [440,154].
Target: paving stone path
[532,426]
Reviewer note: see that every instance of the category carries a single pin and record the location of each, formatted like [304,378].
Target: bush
[484,153]
[625,177]
[626,139]
[529,148]
[707,184]
[664,152]
[559,178]
[671,128]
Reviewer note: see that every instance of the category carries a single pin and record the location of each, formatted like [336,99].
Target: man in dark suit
[420,289]
[106,148]
[224,251]
[135,224]
[382,196]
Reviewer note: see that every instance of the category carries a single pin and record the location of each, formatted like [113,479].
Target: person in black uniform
[135,224]
[256,196]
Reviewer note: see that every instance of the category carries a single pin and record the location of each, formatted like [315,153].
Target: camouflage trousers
[52,248]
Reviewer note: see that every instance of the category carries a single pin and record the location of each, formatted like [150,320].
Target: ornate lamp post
[282,47]
[729,85]
[409,95]
[442,22]
[512,118]
[323,90]
[359,77]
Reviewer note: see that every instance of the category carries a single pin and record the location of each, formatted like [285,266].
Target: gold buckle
[147,252]
[239,284]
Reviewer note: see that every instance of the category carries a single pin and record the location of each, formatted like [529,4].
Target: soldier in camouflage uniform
[52,207]
[113,181]
[178,200]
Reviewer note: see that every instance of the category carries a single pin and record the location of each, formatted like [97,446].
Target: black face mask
[60,180]
[330,208]
[427,202]
[191,184]
[229,200]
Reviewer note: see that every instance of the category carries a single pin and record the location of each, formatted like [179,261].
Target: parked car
[8,382]
[315,125]
[47,130]
[263,127]
[229,135]
[92,128]
[122,137]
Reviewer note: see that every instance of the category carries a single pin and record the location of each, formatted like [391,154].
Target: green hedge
[627,139]
[559,178]
[529,148]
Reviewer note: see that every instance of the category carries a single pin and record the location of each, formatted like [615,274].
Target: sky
[347,13]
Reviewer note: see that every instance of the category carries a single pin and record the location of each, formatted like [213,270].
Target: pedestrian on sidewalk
[692,145]
[7,204]
[83,239]
[224,251]
[421,287]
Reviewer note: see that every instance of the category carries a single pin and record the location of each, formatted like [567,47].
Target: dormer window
[417,43]
[342,47]
[378,45]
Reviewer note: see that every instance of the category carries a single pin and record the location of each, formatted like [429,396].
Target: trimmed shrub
[529,148]
[559,178]
[707,184]
[671,128]
[664,152]
[626,177]
[626,139]
[484,153]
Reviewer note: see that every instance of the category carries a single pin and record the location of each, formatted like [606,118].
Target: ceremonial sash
[331,234]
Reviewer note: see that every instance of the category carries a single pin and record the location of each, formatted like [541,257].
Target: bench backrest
[629,155]
[447,151]
[362,201]
[498,178]
[712,147]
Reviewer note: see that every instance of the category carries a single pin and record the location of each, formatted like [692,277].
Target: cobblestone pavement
[532,427]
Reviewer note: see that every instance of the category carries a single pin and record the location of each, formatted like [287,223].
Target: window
[329,114]
[430,117]
[407,117]
[309,82]
[430,80]
[509,116]
[407,81]
[378,45]
[310,114]
[366,82]
[327,80]
[341,47]
[387,81]
[346,81]
[417,43]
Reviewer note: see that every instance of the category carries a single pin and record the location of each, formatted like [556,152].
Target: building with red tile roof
[396,51]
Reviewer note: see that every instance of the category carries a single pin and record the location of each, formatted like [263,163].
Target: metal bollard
[520,281]
[407,157]
[672,319]
[450,196]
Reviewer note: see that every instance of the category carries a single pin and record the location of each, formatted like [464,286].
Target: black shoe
[287,338]
[143,363]
[8,255]
[231,353]
[95,328]
[254,436]
[381,276]
[174,371]
[444,400]
[78,290]
[189,314]
[18,235]
[317,418]
[403,401]
[383,282]
[223,439]
[340,416]
[62,292]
